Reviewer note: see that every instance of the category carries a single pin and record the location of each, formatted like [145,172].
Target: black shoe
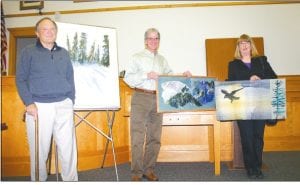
[251,173]
[259,174]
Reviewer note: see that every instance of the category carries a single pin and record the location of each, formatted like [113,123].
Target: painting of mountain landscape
[251,100]
[93,52]
[179,93]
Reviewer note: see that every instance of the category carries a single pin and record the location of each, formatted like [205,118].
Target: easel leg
[105,151]
[109,137]
[110,119]
[110,126]
[81,119]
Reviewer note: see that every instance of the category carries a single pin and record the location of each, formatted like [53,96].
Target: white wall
[184,30]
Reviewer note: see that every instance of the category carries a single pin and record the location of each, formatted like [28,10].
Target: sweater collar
[39,45]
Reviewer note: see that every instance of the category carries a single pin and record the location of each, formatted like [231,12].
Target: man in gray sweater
[45,82]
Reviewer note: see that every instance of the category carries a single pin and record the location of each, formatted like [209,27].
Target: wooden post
[36,149]
[238,159]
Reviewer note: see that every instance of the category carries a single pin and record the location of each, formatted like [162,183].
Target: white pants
[57,119]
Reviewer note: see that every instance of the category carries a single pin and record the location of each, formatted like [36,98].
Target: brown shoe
[136,178]
[151,176]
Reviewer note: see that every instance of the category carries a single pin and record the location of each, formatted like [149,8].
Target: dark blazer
[260,67]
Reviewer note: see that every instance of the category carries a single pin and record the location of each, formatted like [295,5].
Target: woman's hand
[254,77]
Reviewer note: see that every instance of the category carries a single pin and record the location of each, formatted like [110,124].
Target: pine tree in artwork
[69,45]
[105,56]
[75,49]
[79,53]
[279,99]
[97,54]
[82,48]
[91,56]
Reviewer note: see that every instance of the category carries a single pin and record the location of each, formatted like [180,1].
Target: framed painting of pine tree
[93,52]
[255,100]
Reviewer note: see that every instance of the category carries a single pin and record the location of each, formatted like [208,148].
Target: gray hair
[150,30]
[41,20]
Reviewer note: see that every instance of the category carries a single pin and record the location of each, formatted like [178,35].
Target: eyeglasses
[152,39]
[244,43]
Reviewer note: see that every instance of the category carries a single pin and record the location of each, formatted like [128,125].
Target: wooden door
[220,51]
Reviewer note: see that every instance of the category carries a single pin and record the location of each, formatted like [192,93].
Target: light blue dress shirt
[142,63]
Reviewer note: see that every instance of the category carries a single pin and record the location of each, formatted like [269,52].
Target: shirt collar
[39,45]
[150,53]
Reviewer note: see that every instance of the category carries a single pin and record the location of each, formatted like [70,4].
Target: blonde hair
[245,38]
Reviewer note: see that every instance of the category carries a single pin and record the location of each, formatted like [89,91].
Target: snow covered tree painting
[256,100]
[93,52]
[179,93]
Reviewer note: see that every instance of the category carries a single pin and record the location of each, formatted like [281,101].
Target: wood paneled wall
[220,51]
[91,145]
[285,136]
[179,143]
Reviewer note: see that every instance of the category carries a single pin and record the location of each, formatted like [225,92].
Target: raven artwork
[231,95]
[250,100]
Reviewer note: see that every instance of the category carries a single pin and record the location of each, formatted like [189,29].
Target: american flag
[3,43]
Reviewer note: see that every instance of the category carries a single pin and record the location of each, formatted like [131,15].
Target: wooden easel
[109,137]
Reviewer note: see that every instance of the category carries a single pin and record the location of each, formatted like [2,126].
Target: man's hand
[32,110]
[187,74]
[152,75]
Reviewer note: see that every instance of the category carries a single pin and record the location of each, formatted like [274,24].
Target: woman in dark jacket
[248,65]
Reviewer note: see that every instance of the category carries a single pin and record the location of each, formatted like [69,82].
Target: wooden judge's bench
[186,137]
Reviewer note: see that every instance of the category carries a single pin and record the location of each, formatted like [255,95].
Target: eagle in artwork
[231,94]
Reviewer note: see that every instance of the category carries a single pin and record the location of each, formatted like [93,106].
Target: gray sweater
[45,76]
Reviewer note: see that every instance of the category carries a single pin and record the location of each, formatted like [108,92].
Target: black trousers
[252,139]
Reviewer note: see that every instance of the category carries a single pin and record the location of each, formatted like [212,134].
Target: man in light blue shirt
[141,74]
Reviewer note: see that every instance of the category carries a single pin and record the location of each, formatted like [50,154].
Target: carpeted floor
[281,166]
